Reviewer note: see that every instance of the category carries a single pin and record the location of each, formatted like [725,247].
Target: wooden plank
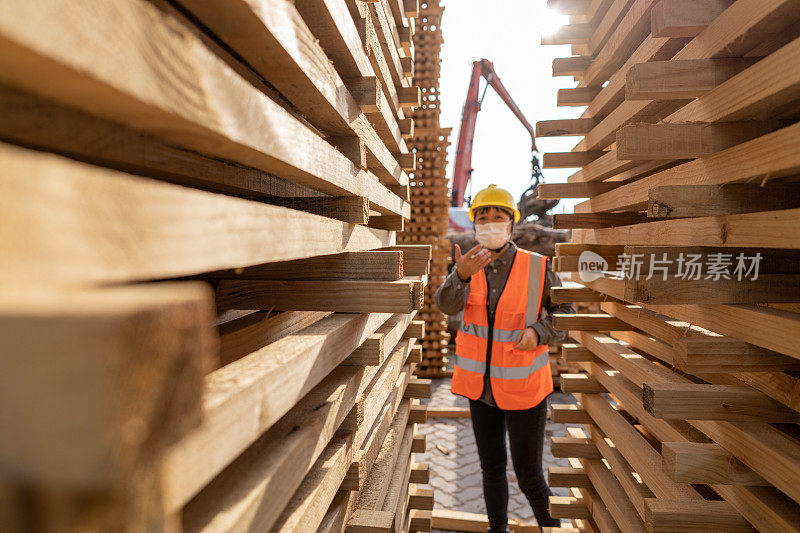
[575,294]
[677,515]
[706,463]
[567,476]
[346,296]
[352,209]
[29,120]
[575,353]
[577,97]
[571,66]
[451,520]
[685,18]
[678,80]
[691,401]
[416,258]
[448,412]
[726,199]
[415,330]
[663,289]
[418,388]
[723,354]
[573,190]
[215,123]
[569,414]
[170,240]
[567,507]
[597,220]
[564,127]
[686,141]
[268,383]
[589,322]
[379,345]
[252,332]
[577,383]
[770,229]
[574,447]
[613,495]
[273,39]
[89,365]
[364,265]
[569,159]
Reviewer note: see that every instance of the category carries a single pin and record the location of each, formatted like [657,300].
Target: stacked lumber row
[689,158]
[429,192]
[205,321]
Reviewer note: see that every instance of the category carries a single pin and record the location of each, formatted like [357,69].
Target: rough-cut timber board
[450,520]
[268,384]
[726,199]
[132,228]
[215,112]
[94,366]
[679,80]
[345,296]
[365,265]
[272,38]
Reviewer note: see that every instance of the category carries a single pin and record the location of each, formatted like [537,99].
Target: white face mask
[493,235]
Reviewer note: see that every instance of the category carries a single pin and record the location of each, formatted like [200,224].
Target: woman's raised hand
[472,261]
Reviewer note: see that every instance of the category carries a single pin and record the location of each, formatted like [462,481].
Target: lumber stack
[430,199]
[689,160]
[206,323]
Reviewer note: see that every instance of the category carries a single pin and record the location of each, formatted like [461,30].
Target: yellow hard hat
[493,196]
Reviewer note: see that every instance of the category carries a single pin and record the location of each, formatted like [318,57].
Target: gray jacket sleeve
[544,327]
[452,295]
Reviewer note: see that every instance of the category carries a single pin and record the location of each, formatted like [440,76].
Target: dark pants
[526,436]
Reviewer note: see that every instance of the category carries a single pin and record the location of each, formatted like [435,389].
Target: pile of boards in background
[689,157]
[430,198]
[205,321]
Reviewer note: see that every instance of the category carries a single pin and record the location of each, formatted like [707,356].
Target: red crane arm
[469,115]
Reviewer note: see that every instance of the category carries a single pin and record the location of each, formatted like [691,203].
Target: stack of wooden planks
[206,323]
[429,192]
[689,240]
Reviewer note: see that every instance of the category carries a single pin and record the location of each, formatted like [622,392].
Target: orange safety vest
[520,379]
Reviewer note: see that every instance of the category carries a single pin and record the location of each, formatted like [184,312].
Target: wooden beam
[569,159]
[589,322]
[567,476]
[684,79]
[252,332]
[346,296]
[351,209]
[577,97]
[415,330]
[766,288]
[80,369]
[569,414]
[575,353]
[365,265]
[448,412]
[213,124]
[706,463]
[574,447]
[416,258]
[270,380]
[567,507]
[724,354]
[418,388]
[571,66]
[686,141]
[678,515]
[573,190]
[597,220]
[273,39]
[770,229]
[91,253]
[726,199]
[451,520]
[690,401]
[577,383]
[564,127]
[685,18]
[378,346]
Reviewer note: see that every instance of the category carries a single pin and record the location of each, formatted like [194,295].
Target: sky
[506,32]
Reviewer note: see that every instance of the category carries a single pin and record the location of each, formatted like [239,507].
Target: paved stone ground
[453,458]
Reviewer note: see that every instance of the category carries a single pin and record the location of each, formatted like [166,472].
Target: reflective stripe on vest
[504,372]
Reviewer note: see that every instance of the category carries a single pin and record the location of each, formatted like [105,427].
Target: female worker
[501,360]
